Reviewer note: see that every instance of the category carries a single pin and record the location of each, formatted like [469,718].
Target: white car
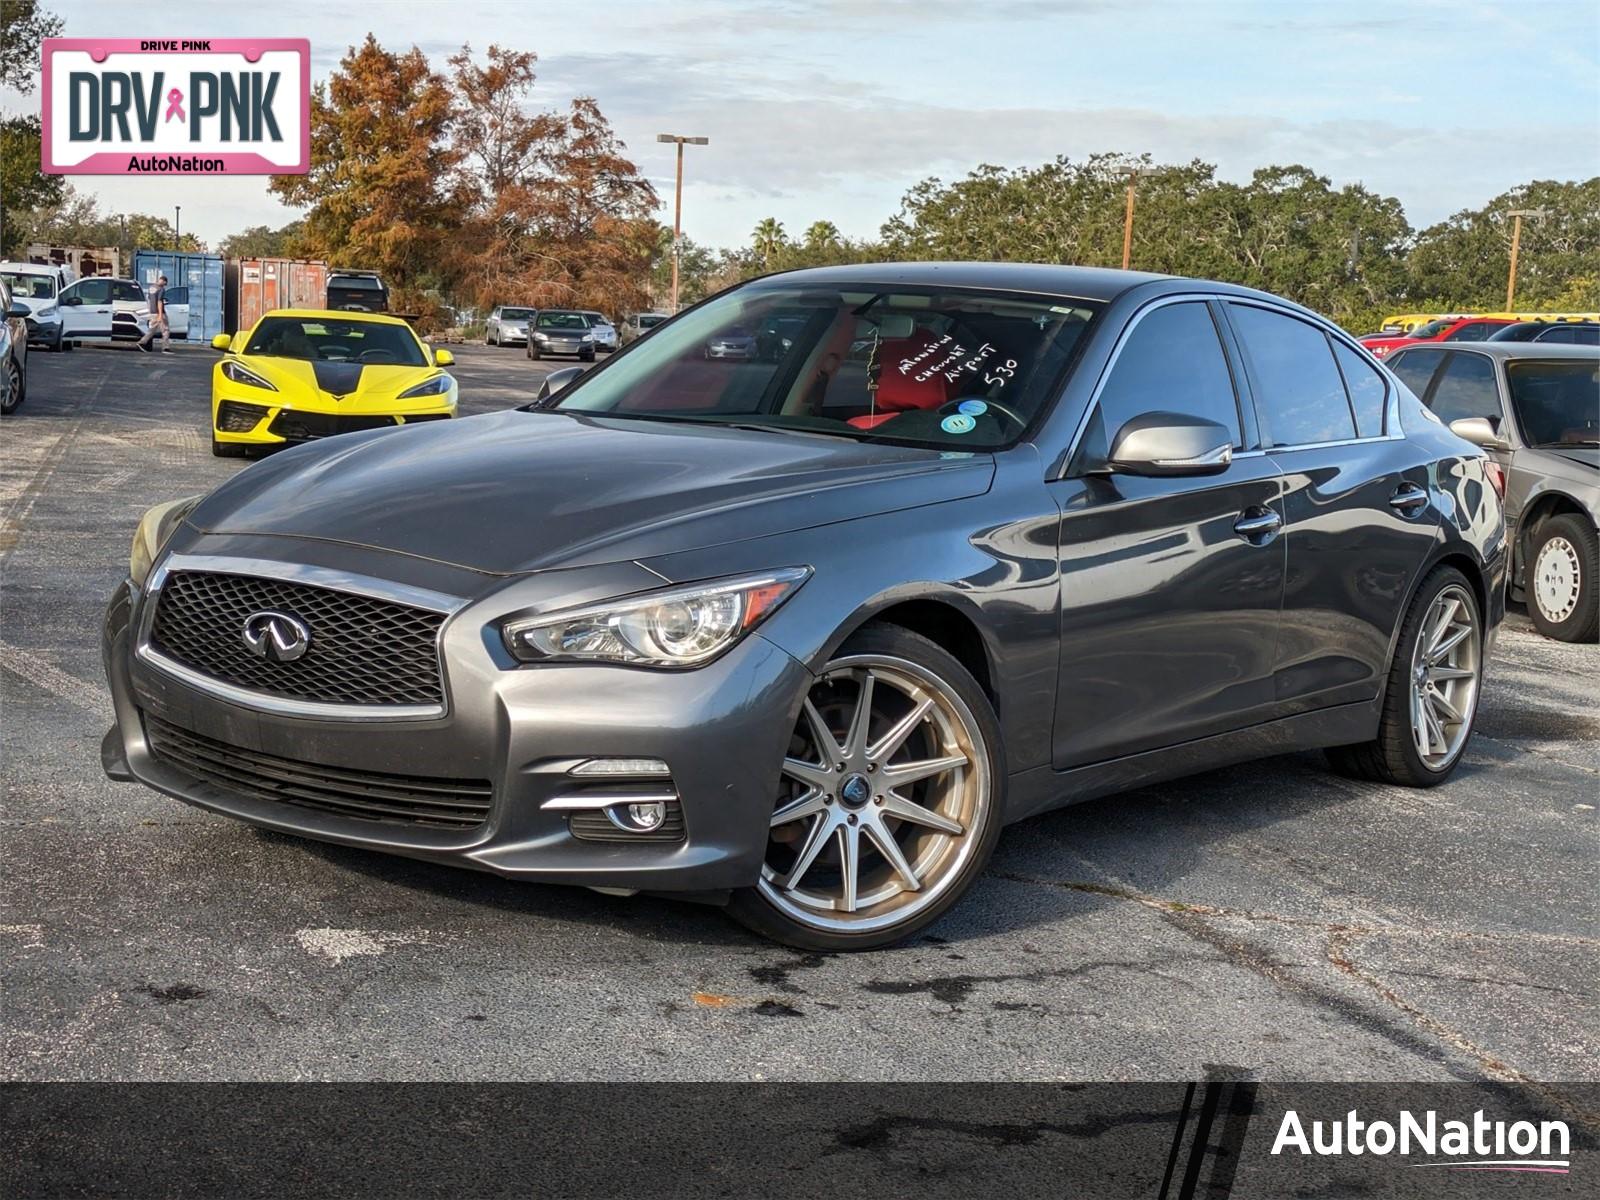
[508,326]
[37,286]
[177,312]
[99,309]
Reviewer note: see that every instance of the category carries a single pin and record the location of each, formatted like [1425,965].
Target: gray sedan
[801,634]
[1536,409]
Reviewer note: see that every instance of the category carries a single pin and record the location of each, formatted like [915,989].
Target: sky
[832,109]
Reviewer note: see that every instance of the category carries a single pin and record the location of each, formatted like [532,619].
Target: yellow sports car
[304,374]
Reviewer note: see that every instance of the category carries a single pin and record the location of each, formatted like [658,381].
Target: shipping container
[259,285]
[192,279]
[85,260]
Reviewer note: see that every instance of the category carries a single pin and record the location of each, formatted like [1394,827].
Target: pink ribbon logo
[175,105]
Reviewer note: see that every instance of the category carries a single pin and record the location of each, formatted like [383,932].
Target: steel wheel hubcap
[1444,678]
[1556,579]
[884,795]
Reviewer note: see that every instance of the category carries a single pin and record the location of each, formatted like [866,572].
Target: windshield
[957,369]
[29,287]
[321,339]
[515,314]
[650,321]
[562,320]
[597,318]
[355,282]
[1431,329]
[1557,403]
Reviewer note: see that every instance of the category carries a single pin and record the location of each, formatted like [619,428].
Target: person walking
[158,318]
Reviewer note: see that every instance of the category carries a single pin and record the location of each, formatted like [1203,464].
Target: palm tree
[822,233]
[769,238]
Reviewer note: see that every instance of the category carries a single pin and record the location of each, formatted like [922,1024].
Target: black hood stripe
[338,378]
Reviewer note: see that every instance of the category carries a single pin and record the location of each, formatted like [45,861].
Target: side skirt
[1044,788]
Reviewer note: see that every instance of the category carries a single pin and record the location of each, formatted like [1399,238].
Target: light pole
[1133,174]
[1516,216]
[677,203]
[177,225]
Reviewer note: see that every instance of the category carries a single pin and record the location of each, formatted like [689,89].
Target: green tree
[23,26]
[769,239]
[22,185]
[262,241]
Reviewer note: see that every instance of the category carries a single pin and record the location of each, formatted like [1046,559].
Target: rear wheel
[1432,695]
[16,386]
[890,799]
[1561,579]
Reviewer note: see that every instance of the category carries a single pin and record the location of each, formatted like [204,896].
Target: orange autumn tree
[555,214]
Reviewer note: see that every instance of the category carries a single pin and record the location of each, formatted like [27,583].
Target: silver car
[636,325]
[13,350]
[1533,407]
[508,326]
[605,333]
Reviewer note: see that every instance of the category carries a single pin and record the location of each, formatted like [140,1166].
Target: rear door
[1357,501]
[1170,587]
[86,309]
[178,311]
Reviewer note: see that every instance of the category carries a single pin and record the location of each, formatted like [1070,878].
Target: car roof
[337,314]
[1508,350]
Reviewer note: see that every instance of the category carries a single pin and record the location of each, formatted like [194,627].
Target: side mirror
[1168,444]
[221,342]
[554,383]
[443,358]
[19,309]
[1480,432]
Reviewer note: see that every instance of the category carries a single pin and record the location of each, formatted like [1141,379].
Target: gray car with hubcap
[800,634]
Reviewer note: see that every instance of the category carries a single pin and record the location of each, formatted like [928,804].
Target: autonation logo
[1476,1145]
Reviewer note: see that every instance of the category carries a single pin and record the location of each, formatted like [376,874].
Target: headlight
[155,527]
[46,312]
[239,373]
[678,627]
[543,337]
[588,337]
[437,386]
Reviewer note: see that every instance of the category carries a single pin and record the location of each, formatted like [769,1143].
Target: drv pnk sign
[212,106]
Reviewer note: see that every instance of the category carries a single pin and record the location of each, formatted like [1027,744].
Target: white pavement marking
[53,679]
[336,945]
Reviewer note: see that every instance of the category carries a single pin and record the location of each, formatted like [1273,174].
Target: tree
[822,235]
[22,185]
[23,26]
[381,166]
[262,241]
[769,239]
[76,220]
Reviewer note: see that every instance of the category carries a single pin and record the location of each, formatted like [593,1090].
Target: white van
[37,286]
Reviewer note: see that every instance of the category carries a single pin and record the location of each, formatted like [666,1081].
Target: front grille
[362,650]
[363,795]
[308,426]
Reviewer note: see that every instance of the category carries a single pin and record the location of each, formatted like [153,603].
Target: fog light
[638,818]
[621,766]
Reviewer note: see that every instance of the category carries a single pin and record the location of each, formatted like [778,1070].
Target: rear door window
[1466,388]
[1415,368]
[178,295]
[92,291]
[1369,392]
[1172,362]
[1299,393]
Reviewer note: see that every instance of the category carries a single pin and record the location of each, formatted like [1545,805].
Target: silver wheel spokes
[882,803]
[1556,579]
[1444,679]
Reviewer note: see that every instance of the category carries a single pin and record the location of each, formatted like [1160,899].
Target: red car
[1449,329]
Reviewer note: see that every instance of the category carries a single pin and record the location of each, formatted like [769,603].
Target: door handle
[1408,500]
[1257,525]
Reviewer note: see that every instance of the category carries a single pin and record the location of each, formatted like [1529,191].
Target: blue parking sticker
[958,423]
[973,408]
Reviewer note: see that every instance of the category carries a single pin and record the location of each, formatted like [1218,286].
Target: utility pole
[677,204]
[1516,216]
[177,223]
[1133,174]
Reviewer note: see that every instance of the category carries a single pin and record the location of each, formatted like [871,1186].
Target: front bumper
[564,347]
[722,730]
[508,336]
[279,424]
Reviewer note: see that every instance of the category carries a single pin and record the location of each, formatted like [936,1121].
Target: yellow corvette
[302,374]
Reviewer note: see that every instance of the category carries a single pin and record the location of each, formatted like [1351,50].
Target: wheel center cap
[855,791]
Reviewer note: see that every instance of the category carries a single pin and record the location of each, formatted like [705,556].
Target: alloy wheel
[1444,678]
[884,797]
[1557,579]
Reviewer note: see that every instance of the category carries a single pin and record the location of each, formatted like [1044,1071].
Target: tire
[227,449]
[1395,755]
[1560,579]
[534,353]
[586,357]
[490,340]
[943,824]
[16,389]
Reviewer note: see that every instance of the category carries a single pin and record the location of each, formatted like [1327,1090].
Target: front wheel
[1431,698]
[1561,579]
[889,803]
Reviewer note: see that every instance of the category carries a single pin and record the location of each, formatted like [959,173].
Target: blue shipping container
[199,276]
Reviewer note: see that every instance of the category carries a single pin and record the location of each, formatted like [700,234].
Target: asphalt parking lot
[1271,921]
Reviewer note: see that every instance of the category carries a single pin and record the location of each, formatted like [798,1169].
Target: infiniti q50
[800,632]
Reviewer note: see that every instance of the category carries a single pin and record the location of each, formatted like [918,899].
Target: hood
[339,379]
[1567,462]
[514,491]
[1583,456]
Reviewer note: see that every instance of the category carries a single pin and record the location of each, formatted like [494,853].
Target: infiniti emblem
[276,636]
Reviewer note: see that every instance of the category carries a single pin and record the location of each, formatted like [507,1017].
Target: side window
[92,291]
[1368,391]
[1466,389]
[178,295]
[1415,368]
[1300,398]
[1172,362]
[1473,331]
